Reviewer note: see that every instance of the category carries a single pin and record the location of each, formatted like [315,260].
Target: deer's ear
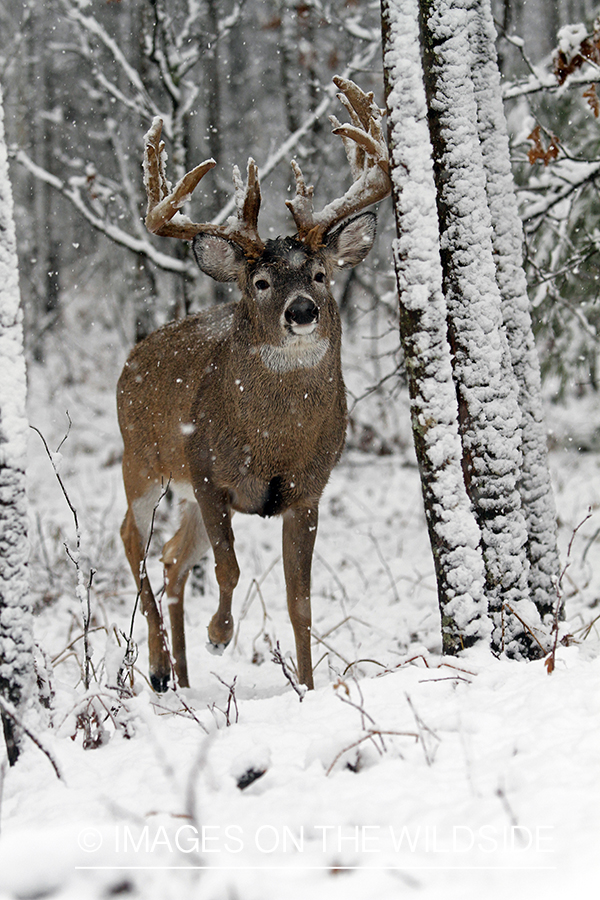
[351,242]
[216,256]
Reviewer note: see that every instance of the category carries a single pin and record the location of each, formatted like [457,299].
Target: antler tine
[301,207]
[247,203]
[164,202]
[368,157]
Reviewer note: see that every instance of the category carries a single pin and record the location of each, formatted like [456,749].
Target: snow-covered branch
[569,177]
[7,709]
[89,26]
[546,81]
[72,192]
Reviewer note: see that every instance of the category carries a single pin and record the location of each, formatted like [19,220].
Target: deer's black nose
[302,311]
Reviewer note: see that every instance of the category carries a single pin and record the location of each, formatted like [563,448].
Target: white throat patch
[301,353]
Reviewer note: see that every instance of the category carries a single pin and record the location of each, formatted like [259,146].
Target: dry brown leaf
[539,153]
[592,98]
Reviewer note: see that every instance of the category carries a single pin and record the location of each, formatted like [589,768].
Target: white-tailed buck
[242,407]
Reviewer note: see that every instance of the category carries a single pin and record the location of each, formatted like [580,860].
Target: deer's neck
[300,353]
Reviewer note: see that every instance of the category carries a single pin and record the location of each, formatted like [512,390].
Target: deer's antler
[367,154]
[366,151]
[164,202]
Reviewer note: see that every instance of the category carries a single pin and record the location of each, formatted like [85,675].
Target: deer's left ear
[351,242]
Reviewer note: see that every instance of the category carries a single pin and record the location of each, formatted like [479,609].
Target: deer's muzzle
[302,315]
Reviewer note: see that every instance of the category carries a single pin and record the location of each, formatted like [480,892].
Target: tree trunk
[453,531]
[44,278]
[489,414]
[16,642]
[460,277]
[534,484]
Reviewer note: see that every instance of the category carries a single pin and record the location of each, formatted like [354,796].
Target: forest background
[81,80]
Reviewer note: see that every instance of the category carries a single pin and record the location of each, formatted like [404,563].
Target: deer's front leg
[299,533]
[216,514]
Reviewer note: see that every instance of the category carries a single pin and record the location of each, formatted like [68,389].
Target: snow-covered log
[16,642]
[507,240]
[453,531]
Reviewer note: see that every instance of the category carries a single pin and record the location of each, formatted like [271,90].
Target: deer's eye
[320,277]
[261,284]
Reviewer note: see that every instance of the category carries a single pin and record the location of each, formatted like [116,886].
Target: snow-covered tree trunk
[487,390]
[16,642]
[458,266]
[453,531]
[507,239]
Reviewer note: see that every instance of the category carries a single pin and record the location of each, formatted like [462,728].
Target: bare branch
[9,710]
[72,193]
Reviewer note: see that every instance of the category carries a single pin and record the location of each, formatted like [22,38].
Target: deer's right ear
[216,256]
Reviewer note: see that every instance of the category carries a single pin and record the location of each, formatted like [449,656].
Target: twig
[360,707]
[9,710]
[231,699]
[277,658]
[56,660]
[385,565]
[593,538]
[586,629]
[364,660]
[422,727]
[255,584]
[83,592]
[371,733]
[56,472]
[329,648]
[143,570]
[551,657]
[525,626]
[131,651]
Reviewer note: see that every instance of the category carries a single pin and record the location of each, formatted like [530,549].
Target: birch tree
[16,643]
[439,50]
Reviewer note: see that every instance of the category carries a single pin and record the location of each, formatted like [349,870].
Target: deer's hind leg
[181,553]
[135,533]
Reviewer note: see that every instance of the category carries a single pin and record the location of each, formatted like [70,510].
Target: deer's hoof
[220,632]
[160,683]
[215,649]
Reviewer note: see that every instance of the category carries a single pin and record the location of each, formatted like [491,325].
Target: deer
[242,406]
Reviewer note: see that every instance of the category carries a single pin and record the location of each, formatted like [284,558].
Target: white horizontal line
[334,867]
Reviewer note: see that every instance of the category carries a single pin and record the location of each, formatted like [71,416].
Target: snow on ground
[402,772]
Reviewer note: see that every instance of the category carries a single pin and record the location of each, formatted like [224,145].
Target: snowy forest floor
[402,772]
